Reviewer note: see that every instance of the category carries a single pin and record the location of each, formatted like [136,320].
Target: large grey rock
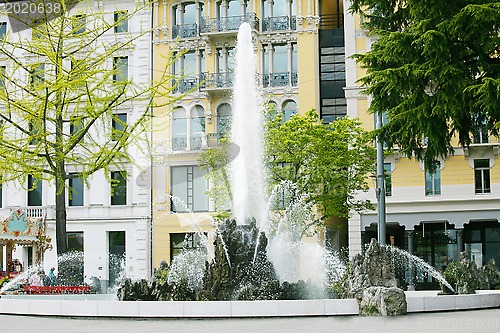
[382,301]
[374,268]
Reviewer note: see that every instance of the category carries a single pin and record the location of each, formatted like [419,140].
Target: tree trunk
[61,242]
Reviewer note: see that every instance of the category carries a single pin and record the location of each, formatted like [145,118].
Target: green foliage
[215,161]
[328,163]
[435,70]
[465,277]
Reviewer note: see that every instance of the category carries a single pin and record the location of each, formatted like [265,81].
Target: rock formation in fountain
[372,280]
[239,270]
[240,262]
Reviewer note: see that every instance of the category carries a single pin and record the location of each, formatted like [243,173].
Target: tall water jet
[248,175]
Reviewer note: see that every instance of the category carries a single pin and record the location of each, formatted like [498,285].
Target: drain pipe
[380,191]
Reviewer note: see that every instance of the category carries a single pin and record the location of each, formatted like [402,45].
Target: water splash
[410,260]
[20,279]
[188,265]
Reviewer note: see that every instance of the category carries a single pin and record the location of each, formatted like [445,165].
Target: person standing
[52,276]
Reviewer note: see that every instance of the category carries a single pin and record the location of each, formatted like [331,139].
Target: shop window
[74,241]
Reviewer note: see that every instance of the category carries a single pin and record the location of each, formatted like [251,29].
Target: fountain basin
[103,306]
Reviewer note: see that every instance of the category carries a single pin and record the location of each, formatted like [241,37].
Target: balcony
[279,23]
[185,30]
[228,24]
[217,81]
[280,79]
[185,85]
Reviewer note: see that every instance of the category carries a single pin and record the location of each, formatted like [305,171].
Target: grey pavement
[484,321]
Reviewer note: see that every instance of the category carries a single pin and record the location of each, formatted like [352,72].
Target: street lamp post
[380,185]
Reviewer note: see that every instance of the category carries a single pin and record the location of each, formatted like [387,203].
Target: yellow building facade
[434,216]
[201,36]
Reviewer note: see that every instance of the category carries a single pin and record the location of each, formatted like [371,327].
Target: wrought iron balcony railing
[179,143]
[217,80]
[184,85]
[279,23]
[185,30]
[231,23]
[280,79]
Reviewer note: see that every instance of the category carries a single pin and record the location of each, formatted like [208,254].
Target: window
[118,188]
[79,23]
[279,65]
[179,129]
[480,132]
[189,67]
[121,21]
[333,109]
[433,180]
[34,191]
[76,189]
[225,65]
[120,69]
[482,175]
[278,15]
[118,126]
[186,17]
[188,189]
[289,109]
[3,29]
[197,127]
[34,131]
[223,120]
[332,63]
[116,258]
[74,241]
[183,241]
[2,77]
[75,126]
[37,76]
[388,179]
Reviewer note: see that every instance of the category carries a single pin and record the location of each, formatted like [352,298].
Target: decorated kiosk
[22,228]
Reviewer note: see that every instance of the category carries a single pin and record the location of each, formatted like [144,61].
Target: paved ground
[484,321]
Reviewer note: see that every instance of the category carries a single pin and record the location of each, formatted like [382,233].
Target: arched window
[289,109]
[197,127]
[179,129]
[223,120]
[272,109]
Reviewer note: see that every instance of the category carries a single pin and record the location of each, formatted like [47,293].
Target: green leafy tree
[435,69]
[215,161]
[328,163]
[61,94]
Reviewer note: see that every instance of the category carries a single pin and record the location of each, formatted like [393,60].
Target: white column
[289,50]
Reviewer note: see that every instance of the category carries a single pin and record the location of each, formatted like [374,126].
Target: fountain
[260,253]
[248,175]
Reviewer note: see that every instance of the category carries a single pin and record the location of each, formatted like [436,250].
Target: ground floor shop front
[438,240]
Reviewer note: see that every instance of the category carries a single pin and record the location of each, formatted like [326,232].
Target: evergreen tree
[435,69]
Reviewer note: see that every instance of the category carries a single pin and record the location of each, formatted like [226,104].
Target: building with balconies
[295,41]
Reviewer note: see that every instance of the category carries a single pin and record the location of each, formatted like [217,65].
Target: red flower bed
[56,289]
